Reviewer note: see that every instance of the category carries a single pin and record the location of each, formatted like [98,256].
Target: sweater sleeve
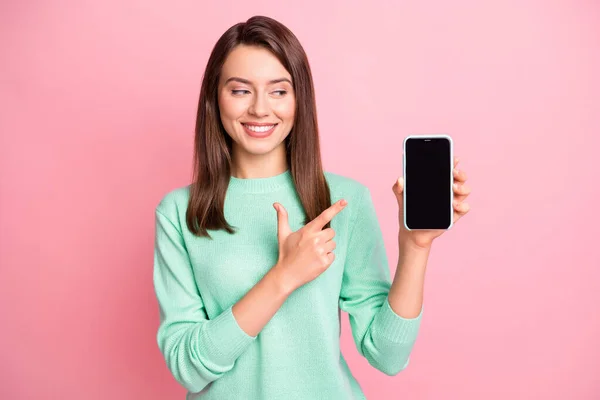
[197,350]
[383,337]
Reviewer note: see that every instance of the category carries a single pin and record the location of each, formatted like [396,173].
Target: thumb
[283,227]
[398,189]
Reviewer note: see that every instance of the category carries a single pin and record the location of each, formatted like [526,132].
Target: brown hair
[213,146]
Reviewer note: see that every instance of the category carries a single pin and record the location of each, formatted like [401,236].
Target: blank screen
[428,183]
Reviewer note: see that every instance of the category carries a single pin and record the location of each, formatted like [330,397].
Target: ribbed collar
[261,185]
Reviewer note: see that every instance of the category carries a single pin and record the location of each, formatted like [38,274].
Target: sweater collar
[262,185]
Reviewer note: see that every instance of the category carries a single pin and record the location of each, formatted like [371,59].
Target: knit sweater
[297,354]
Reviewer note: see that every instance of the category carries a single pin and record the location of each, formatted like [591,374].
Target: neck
[249,166]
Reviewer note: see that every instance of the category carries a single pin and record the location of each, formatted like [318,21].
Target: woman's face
[256,100]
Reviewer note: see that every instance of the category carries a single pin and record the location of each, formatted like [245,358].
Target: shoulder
[173,203]
[355,192]
[344,186]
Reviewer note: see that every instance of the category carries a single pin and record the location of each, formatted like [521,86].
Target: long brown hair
[213,146]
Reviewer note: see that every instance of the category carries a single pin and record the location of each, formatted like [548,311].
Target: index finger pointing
[326,216]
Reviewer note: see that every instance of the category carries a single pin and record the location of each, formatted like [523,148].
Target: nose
[259,106]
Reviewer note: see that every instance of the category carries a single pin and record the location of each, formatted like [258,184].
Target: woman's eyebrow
[246,81]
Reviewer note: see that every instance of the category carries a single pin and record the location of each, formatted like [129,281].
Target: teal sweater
[297,354]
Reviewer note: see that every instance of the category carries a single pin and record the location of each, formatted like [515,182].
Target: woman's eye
[279,93]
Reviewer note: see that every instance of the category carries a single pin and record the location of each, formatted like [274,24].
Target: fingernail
[343,202]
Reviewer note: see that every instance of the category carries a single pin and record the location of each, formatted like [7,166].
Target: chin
[258,149]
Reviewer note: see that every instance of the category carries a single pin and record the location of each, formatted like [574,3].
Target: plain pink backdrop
[97,109]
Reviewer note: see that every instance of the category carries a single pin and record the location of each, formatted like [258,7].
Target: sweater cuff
[395,328]
[227,338]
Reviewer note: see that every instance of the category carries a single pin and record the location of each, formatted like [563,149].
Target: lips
[259,131]
[259,123]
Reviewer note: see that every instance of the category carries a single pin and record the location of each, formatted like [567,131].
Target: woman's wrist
[281,280]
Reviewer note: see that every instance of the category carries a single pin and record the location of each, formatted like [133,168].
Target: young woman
[255,258]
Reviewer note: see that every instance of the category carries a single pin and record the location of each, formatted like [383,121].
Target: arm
[382,336]
[258,306]
[198,350]
[406,293]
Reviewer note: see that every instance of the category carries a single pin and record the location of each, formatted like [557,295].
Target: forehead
[253,63]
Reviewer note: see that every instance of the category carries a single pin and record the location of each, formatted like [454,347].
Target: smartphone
[428,162]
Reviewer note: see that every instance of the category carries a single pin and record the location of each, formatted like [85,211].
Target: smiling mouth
[259,128]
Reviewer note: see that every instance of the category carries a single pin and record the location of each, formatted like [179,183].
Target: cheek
[231,108]
[286,109]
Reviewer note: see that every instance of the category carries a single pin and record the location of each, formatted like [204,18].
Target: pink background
[97,111]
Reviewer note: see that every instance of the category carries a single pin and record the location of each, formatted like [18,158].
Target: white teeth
[259,128]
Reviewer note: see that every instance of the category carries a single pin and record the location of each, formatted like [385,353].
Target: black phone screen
[428,183]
